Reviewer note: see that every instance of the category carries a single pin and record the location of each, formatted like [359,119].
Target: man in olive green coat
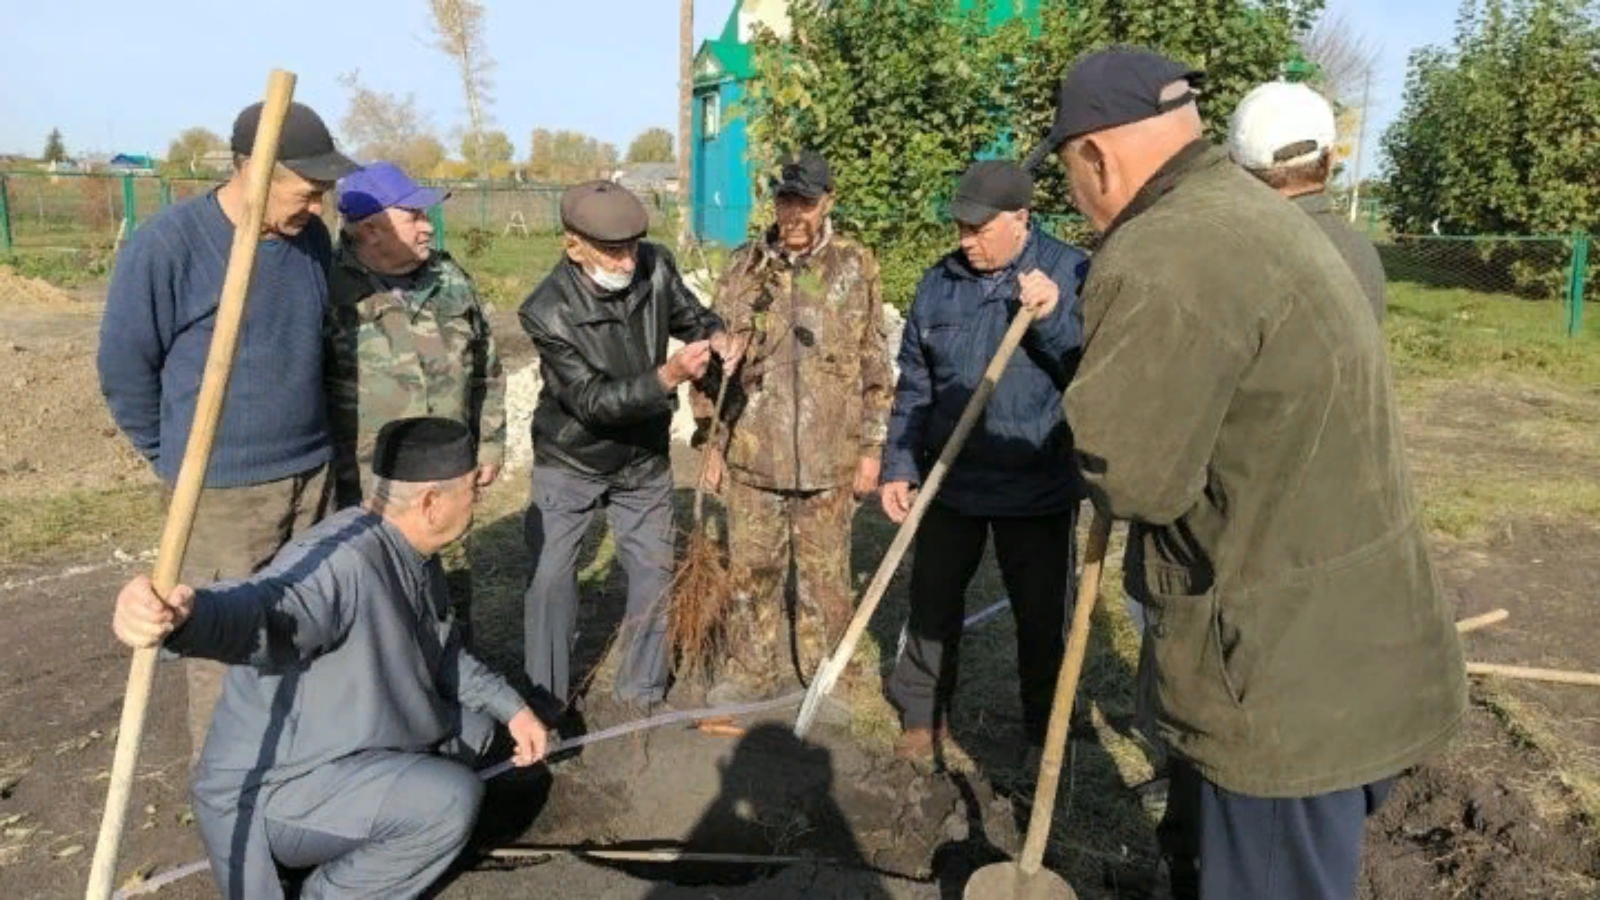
[1234,404]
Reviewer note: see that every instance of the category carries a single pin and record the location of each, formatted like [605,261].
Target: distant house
[649,178]
[65,167]
[131,164]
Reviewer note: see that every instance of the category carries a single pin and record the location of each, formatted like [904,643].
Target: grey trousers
[237,531]
[564,504]
[375,824]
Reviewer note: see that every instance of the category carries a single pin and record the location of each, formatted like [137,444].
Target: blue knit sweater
[157,331]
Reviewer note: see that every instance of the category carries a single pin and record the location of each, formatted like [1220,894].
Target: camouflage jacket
[813,393]
[400,346]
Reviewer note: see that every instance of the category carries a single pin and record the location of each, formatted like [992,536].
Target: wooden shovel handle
[930,486]
[192,474]
[1055,742]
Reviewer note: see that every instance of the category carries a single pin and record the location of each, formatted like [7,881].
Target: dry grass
[1532,726]
[76,523]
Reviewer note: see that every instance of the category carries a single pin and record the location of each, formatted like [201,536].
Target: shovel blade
[1007,881]
[821,684]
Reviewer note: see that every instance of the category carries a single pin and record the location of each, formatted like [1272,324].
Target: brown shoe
[932,748]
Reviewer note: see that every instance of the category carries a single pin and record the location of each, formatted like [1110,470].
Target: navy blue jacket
[1018,460]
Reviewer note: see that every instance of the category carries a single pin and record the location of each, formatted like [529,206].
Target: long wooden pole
[828,673]
[192,474]
[1524,673]
[1055,741]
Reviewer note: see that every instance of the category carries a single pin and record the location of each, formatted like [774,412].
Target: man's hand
[897,499]
[715,468]
[1039,293]
[487,474]
[866,476]
[687,364]
[530,736]
[142,620]
[730,348]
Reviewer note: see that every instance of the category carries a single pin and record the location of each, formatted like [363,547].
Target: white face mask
[609,281]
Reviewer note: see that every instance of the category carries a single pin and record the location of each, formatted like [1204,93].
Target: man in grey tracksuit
[350,714]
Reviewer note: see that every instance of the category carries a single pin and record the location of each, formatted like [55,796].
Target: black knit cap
[604,212]
[424,449]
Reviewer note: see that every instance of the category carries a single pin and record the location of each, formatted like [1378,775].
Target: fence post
[130,206]
[166,193]
[436,216]
[5,215]
[483,206]
[1579,273]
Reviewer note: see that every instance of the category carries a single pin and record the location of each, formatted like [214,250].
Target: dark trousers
[1036,555]
[564,504]
[1227,846]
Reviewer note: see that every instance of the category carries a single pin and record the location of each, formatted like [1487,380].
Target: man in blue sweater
[265,483]
[1015,475]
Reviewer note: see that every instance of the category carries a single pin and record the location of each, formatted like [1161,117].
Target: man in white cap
[1284,134]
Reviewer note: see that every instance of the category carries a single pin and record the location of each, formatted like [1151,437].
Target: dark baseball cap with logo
[990,188]
[1112,87]
[806,174]
[304,146]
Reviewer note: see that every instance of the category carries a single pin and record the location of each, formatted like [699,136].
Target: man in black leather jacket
[600,322]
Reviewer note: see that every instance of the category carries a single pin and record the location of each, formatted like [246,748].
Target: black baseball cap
[1112,87]
[304,146]
[990,188]
[805,174]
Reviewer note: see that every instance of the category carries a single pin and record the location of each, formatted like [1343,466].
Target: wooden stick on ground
[191,476]
[1554,676]
[1483,621]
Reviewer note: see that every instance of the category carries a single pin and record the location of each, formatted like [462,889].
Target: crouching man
[350,716]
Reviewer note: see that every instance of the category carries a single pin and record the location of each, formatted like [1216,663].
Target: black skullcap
[806,174]
[990,188]
[604,212]
[424,449]
[1112,87]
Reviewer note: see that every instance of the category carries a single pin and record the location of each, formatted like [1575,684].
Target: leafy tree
[1498,133]
[388,126]
[55,149]
[569,156]
[652,146]
[486,152]
[185,151]
[902,97]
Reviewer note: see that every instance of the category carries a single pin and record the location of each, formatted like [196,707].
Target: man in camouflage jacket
[805,418]
[406,334]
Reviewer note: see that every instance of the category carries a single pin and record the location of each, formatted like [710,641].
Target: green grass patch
[35,530]
[1453,333]
[64,269]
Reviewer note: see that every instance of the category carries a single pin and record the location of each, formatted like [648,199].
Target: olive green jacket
[1235,403]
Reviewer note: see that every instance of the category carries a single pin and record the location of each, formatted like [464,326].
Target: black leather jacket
[602,409]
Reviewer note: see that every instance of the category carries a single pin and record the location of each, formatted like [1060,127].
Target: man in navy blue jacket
[266,479]
[1015,475]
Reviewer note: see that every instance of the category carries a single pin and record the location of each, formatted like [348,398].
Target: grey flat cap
[604,212]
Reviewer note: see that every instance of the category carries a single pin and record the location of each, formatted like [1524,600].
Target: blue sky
[119,76]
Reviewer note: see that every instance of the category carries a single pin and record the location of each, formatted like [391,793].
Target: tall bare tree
[458,24]
[685,114]
[381,125]
[1345,58]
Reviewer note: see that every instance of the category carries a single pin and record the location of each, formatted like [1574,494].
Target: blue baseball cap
[380,186]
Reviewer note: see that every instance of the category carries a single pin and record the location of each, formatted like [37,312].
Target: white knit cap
[1277,119]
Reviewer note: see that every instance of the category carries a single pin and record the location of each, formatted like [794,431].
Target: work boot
[932,749]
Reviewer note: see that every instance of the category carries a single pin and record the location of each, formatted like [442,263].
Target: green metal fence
[70,212]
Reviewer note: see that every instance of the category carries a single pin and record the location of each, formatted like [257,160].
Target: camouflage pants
[771,636]
[236,533]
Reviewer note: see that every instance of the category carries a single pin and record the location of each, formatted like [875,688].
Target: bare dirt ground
[1507,812]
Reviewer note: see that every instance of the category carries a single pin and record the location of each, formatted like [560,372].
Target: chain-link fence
[71,212]
[41,211]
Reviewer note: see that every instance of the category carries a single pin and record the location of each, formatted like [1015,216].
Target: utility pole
[685,119]
[1361,148]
